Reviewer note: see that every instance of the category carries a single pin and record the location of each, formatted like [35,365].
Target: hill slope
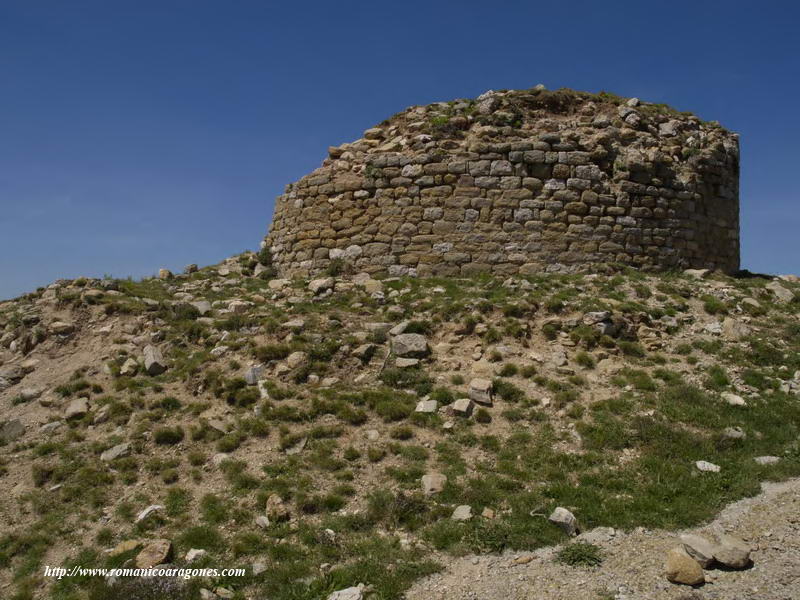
[223,397]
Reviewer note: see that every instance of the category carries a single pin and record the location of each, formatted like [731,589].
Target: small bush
[168,435]
[580,554]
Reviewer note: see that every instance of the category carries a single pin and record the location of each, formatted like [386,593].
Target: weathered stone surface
[462,407]
[373,204]
[408,345]
[565,520]
[76,409]
[682,568]
[155,552]
[115,452]
[154,361]
[427,406]
[732,552]
[351,593]
[699,548]
[11,430]
[707,467]
[480,391]
[462,513]
[433,483]
[276,508]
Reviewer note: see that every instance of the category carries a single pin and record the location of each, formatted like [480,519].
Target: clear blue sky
[138,134]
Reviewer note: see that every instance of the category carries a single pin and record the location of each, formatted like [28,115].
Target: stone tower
[518,182]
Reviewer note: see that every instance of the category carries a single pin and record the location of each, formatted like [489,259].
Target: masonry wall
[518,182]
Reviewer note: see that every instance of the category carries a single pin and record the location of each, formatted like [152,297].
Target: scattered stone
[683,569]
[155,552]
[11,430]
[318,286]
[62,328]
[153,361]
[77,409]
[462,407]
[165,274]
[699,548]
[698,273]
[153,508]
[487,513]
[124,547]
[296,359]
[129,368]
[405,363]
[433,483]
[410,345]
[734,433]
[732,552]
[195,553]
[707,467]
[733,329]
[115,452]
[427,406]
[224,593]
[781,294]
[565,520]
[258,567]
[462,513]
[733,399]
[480,391]
[189,269]
[276,508]
[767,460]
[351,593]
[202,306]
[262,521]
[253,374]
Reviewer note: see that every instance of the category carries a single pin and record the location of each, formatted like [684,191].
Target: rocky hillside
[348,430]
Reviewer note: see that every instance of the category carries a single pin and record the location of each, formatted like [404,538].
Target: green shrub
[168,435]
[580,554]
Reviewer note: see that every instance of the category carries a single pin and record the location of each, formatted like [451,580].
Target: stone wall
[518,182]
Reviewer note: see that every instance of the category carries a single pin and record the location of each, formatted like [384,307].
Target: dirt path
[634,562]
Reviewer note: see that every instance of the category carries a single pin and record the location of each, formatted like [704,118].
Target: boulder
[462,407]
[165,274]
[682,568]
[706,467]
[11,430]
[351,593]
[296,359]
[276,508]
[782,294]
[565,520]
[153,508]
[699,548]
[202,306]
[117,451]
[732,552]
[427,406]
[318,286]
[154,363]
[77,409]
[62,328]
[733,399]
[433,483]
[462,513]
[410,345]
[480,391]
[155,552]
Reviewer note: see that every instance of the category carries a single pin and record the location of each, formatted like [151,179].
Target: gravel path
[634,562]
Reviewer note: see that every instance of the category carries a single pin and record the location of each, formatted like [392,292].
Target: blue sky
[143,134]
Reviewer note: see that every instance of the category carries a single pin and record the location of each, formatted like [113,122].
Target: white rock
[433,483]
[565,520]
[462,407]
[147,512]
[480,390]
[462,513]
[733,399]
[427,406]
[707,467]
